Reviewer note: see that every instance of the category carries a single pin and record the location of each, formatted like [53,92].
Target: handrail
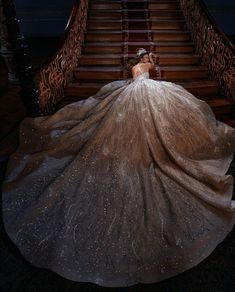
[215,26]
[214,48]
[62,40]
[53,77]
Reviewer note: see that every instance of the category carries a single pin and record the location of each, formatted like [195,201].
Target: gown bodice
[143,75]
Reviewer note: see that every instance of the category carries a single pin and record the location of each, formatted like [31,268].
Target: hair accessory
[141,52]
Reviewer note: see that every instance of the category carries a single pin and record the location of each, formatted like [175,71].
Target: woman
[128,186]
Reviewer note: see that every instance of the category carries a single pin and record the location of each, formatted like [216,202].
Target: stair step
[137,35]
[164,6]
[168,24]
[161,47]
[98,73]
[102,47]
[134,1]
[184,72]
[175,13]
[116,59]
[104,6]
[174,47]
[135,13]
[135,24]
[104,14]
[222,106]
[113,73]
[104,24]
[205,88]
[161,5]
[169,35]
[104,59]
[104,36]
[178,59]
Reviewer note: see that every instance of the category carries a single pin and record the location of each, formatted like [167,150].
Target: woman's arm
[152,63]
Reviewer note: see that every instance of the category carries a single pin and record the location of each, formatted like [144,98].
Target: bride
[128,186]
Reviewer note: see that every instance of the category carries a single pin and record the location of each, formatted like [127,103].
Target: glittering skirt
[125,187]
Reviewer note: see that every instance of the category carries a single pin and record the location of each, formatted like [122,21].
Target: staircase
[115,31]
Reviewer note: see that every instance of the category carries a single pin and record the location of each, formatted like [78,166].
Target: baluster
[53,78]
[216,51]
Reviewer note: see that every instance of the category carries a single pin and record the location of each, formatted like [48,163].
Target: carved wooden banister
[53,78]
[214,48]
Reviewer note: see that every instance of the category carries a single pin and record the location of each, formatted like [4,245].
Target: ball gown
[128,186]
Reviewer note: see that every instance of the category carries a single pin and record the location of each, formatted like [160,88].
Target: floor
[215,274]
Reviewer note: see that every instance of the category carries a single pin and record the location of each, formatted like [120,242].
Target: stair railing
[214,48]
[54,76]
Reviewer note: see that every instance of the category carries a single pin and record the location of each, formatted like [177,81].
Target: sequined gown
[128,186]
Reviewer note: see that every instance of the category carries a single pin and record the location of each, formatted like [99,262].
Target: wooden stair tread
[133,10]
[86,85]
[163,4]
[96,13]
[219,102]
[144,43]
[133,1]
[100,69]
[161,55]
[135,20]
[185,68]
[158,31]
[119,68]
[164,59]
[199,84]
[109,16]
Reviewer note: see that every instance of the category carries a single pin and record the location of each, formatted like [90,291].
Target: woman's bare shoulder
[141,66]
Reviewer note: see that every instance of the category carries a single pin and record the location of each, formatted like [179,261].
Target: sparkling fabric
[125,187]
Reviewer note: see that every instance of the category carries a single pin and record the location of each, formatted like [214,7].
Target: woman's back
[139,69]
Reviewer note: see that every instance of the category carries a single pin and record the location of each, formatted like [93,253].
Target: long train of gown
[125,187]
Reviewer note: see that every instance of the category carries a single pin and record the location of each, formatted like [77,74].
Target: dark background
[43,23]
[48,17]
